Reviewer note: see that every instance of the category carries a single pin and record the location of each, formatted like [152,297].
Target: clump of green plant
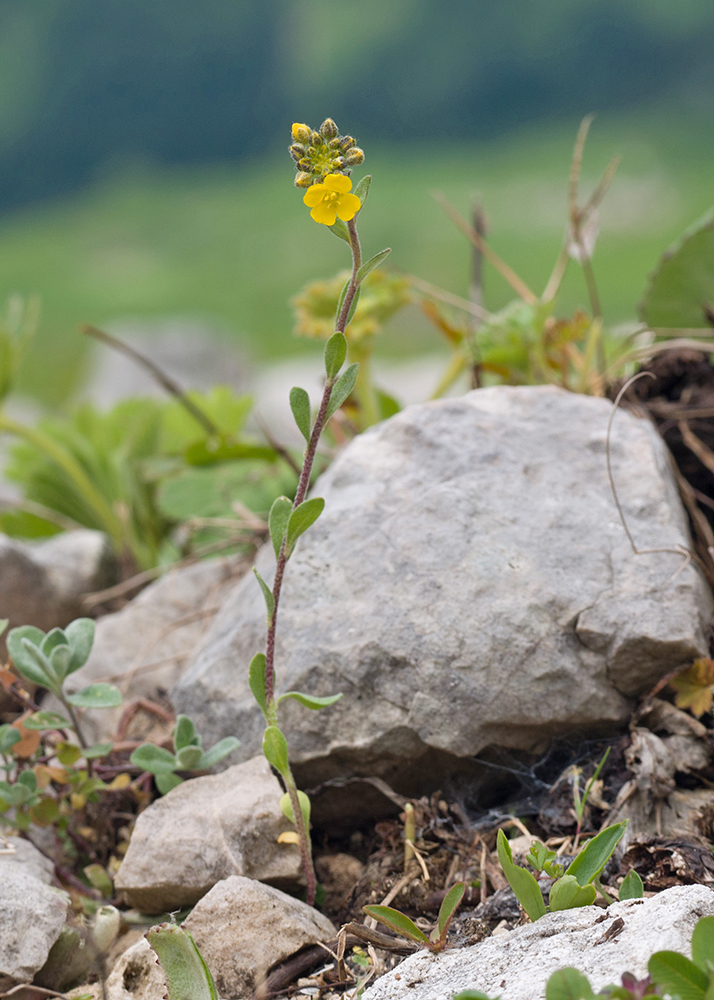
[574,886]
[670,975]
[402,924]
[323,160]
[189,755]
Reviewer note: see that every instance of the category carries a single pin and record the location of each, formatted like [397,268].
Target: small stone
[32,915]
[243,928]
[18,854]
[205,830]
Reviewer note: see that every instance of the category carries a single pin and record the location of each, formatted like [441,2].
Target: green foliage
[632,887]
[402,924]
[49,659]
[188,755]
[573,887]
[152,460]
[187,975]
[682,286]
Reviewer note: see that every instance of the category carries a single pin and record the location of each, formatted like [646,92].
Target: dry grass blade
[696,445]
[516,283]
[679,550]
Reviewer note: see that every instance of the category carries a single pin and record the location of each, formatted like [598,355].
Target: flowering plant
[323,159]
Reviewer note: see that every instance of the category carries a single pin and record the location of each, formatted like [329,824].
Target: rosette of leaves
[48,659]
[573,887]
[188,755]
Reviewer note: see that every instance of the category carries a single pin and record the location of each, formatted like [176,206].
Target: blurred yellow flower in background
[331,200]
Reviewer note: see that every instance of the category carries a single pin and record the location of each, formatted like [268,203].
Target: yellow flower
[330,200]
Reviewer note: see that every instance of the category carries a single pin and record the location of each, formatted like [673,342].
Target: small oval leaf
[96,696]
[396,921]
[278,521]
[335,354]
[256,680]
[275,748]
[373,262]
[311,701]
[342,389]
[301,519]
[632,887]
[267,595]
[300,406]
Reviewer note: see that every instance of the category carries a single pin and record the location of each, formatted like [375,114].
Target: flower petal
[324,213]
[347,206]
[337,182]
[314,195]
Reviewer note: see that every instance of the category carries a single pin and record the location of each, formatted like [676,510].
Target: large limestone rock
[32,915]
[205,830]
[18,854]
[517,965]
[144,647]
[468,585]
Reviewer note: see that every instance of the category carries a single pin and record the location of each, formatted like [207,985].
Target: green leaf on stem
[520,880]
[267,594]
[449,906]
[677,975]
[304,515]
[4,622]
[362,189]
[96,696]
[396,921]
[80,634]
[61,659]
[275,749]
[632,887]
[339,228]
[567,894]
[341,389]
[335,354]
[287,808]
[185,733]
[373,262]
[703,943]
[568,984]
[256,680]
[45,720]
[166,781]
[221,749]
[9,736]
[300,405]
[29,660]
[98,750]
[596,853]
[150,757]
[187,975]
[311,701]
[278,521]
[188,758]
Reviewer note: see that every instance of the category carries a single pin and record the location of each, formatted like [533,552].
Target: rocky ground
[473,594]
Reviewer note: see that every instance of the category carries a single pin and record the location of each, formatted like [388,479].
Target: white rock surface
[32,915]
[205,830]
[517,965]
[469,584]
[163,625]
[136,976]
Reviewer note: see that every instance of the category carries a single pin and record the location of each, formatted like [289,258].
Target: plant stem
[75,722]
[271,713]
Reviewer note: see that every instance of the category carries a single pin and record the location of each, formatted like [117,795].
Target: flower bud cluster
[317,154]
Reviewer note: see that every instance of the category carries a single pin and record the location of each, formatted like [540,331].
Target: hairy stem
[304,839]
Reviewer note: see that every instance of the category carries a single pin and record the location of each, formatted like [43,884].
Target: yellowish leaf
[694,686]
[121,781]
[289,837]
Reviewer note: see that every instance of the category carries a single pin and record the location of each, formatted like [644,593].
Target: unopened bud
[328,129]
[339,162]
[297,151]
[301,133]
[316,139]
[335,143]
[347,142]
[304,164]
[354,156]
[303,180]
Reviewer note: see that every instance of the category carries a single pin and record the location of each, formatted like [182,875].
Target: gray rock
[42,583]
[162,625]
[205,830]
[469,585]
[243,928]
[517,965]
[32,916]
[18,854]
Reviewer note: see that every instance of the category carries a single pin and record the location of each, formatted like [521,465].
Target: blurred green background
[144,172]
